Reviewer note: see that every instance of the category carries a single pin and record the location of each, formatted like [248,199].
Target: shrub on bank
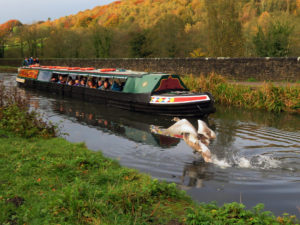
[15,115]
[267,96]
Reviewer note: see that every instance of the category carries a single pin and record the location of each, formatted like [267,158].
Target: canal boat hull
[154,103]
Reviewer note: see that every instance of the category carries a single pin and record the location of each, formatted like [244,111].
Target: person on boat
[71,82]
[106,85]
[61,80]
[90,84]
[77,83]
[100,84]
[30,61]
[37,61]
[54,79]
[115,86]
[82,83]
[25,62]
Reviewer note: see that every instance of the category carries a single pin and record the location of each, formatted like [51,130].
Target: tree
[224,29]
[101,39]
[167,37]
[18,32]
[55,44]
[2,44]
[274,41]
[139,44]
[31,36]
[6,29]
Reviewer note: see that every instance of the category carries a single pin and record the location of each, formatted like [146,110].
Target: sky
[29,11]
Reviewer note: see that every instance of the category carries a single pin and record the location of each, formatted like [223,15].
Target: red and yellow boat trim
[178,99]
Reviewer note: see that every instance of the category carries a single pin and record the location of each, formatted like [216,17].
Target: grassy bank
[51,181]
[266,96]
[47,180]
[10,69]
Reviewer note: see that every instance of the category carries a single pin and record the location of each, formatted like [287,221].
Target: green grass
[63,183]
[251,79]
[266,97]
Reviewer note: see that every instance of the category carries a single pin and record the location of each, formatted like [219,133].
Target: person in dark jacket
[115,86]
[30,61]
[25,62]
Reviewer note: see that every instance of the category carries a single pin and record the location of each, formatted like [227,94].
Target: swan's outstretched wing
[181,127]
[204,130]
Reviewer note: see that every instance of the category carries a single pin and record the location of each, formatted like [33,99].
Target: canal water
[256,156]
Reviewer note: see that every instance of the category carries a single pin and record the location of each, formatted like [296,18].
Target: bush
[16,116]
[234,213]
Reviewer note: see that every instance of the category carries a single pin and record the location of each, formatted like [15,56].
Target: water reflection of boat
[115,121]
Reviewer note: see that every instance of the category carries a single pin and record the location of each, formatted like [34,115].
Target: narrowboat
[146,92]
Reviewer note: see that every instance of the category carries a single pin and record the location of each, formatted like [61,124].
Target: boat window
[44,75]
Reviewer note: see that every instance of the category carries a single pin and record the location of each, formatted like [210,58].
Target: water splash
[255,162]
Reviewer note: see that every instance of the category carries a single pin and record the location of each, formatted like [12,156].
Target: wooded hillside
[162,28]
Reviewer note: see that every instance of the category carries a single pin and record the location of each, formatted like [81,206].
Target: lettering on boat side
[181,99]
[28,73]
[20,80]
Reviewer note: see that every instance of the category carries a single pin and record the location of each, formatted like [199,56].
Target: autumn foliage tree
[6,30]
[224,28]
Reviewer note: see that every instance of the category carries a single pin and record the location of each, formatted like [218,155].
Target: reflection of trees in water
[226,132]
[283,121]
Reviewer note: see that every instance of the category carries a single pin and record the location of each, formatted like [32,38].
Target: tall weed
[267,96]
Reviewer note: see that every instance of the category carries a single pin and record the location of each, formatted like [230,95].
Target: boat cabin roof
[136,82]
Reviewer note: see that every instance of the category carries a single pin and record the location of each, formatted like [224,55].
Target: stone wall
[274,69]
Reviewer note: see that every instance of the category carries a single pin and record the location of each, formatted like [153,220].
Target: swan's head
[176,119]
[204,129]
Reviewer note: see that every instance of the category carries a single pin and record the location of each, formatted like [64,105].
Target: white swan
[198,140]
